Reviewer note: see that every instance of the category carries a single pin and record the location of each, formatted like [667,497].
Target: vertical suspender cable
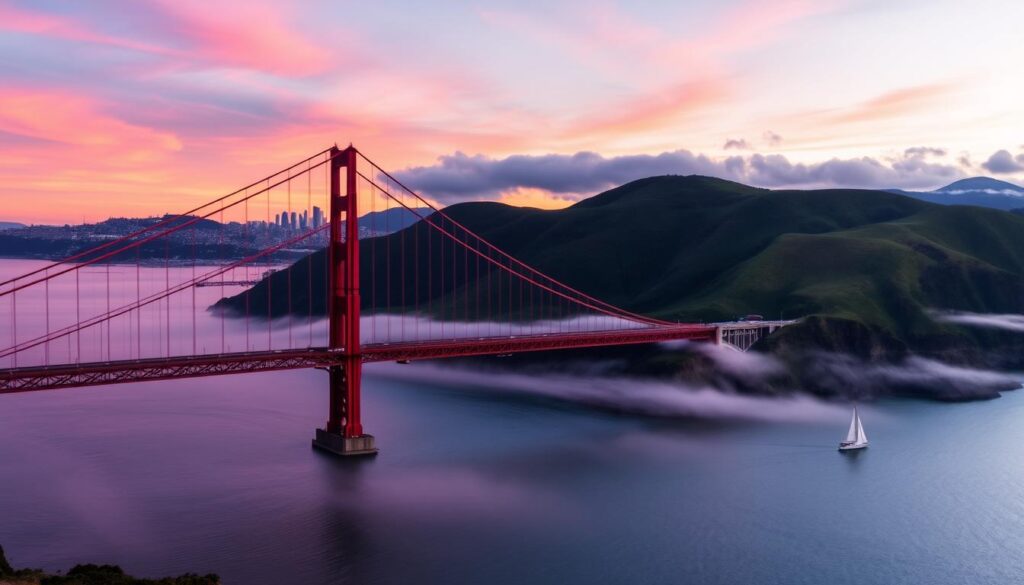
[46,347]
[167,285]
[402,273]
[14,324]
[387,268]
[194,342]
[138,297]
[416,277]
[107,264]
[270,279]
[289,269]
[373,273]
[248,289]
[309,257]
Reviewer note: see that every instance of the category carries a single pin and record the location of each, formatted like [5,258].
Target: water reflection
[218,475]
[853,457]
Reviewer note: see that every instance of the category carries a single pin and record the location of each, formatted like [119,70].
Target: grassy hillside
[867,264]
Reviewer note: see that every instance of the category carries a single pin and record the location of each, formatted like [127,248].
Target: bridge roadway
[29,378]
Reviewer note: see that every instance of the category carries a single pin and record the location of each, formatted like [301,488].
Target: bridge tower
[343,433]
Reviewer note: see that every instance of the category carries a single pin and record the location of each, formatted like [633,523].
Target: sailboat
[855,437]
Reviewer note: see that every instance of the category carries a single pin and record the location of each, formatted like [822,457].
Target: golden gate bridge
[435,289]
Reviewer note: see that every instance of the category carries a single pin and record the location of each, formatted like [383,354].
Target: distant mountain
[987,184]
[979,191]
[392,220]
[865,266]
[204,238]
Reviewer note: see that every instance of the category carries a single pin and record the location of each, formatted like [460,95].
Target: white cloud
[1009,321]
[460,176]
[736,144]
[1002,162]
[642,397]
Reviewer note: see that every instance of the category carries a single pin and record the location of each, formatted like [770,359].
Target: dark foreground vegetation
[92,575]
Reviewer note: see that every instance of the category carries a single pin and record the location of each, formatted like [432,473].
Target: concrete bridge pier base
[345,446]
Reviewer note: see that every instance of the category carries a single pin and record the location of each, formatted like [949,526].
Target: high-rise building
[295,221]
[318,217]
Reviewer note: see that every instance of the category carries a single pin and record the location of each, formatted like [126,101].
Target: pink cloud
[227,91]
[26,22]
[649,110]
[896,103]
[826,129]
[669,77]
[201,34]
[261,40]
[63,154]
[753,24]
[75,119]
[603,37]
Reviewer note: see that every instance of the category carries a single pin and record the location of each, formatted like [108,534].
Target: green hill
[864,265]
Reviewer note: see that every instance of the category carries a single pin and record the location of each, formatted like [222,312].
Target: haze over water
[473,486]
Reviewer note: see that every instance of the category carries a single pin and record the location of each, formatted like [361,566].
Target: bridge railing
[742,335]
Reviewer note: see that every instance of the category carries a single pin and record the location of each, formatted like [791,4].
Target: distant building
[318,217]
[295,221]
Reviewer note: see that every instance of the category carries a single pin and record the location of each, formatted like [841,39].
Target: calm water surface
[217,475]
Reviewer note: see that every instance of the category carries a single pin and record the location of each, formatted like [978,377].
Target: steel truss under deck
[124,371]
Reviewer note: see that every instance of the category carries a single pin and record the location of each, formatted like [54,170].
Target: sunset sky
[147,106]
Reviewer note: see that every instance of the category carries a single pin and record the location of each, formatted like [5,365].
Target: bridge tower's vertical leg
[343,434]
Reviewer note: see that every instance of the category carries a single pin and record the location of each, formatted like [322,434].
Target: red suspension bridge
[131,308]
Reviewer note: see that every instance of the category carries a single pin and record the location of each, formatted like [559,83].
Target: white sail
[861,437]
[855,437]
[851,435]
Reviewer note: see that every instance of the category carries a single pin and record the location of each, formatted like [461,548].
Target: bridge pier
[344,446]
[343,434]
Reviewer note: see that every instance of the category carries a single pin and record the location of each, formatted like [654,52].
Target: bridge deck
[123,371]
